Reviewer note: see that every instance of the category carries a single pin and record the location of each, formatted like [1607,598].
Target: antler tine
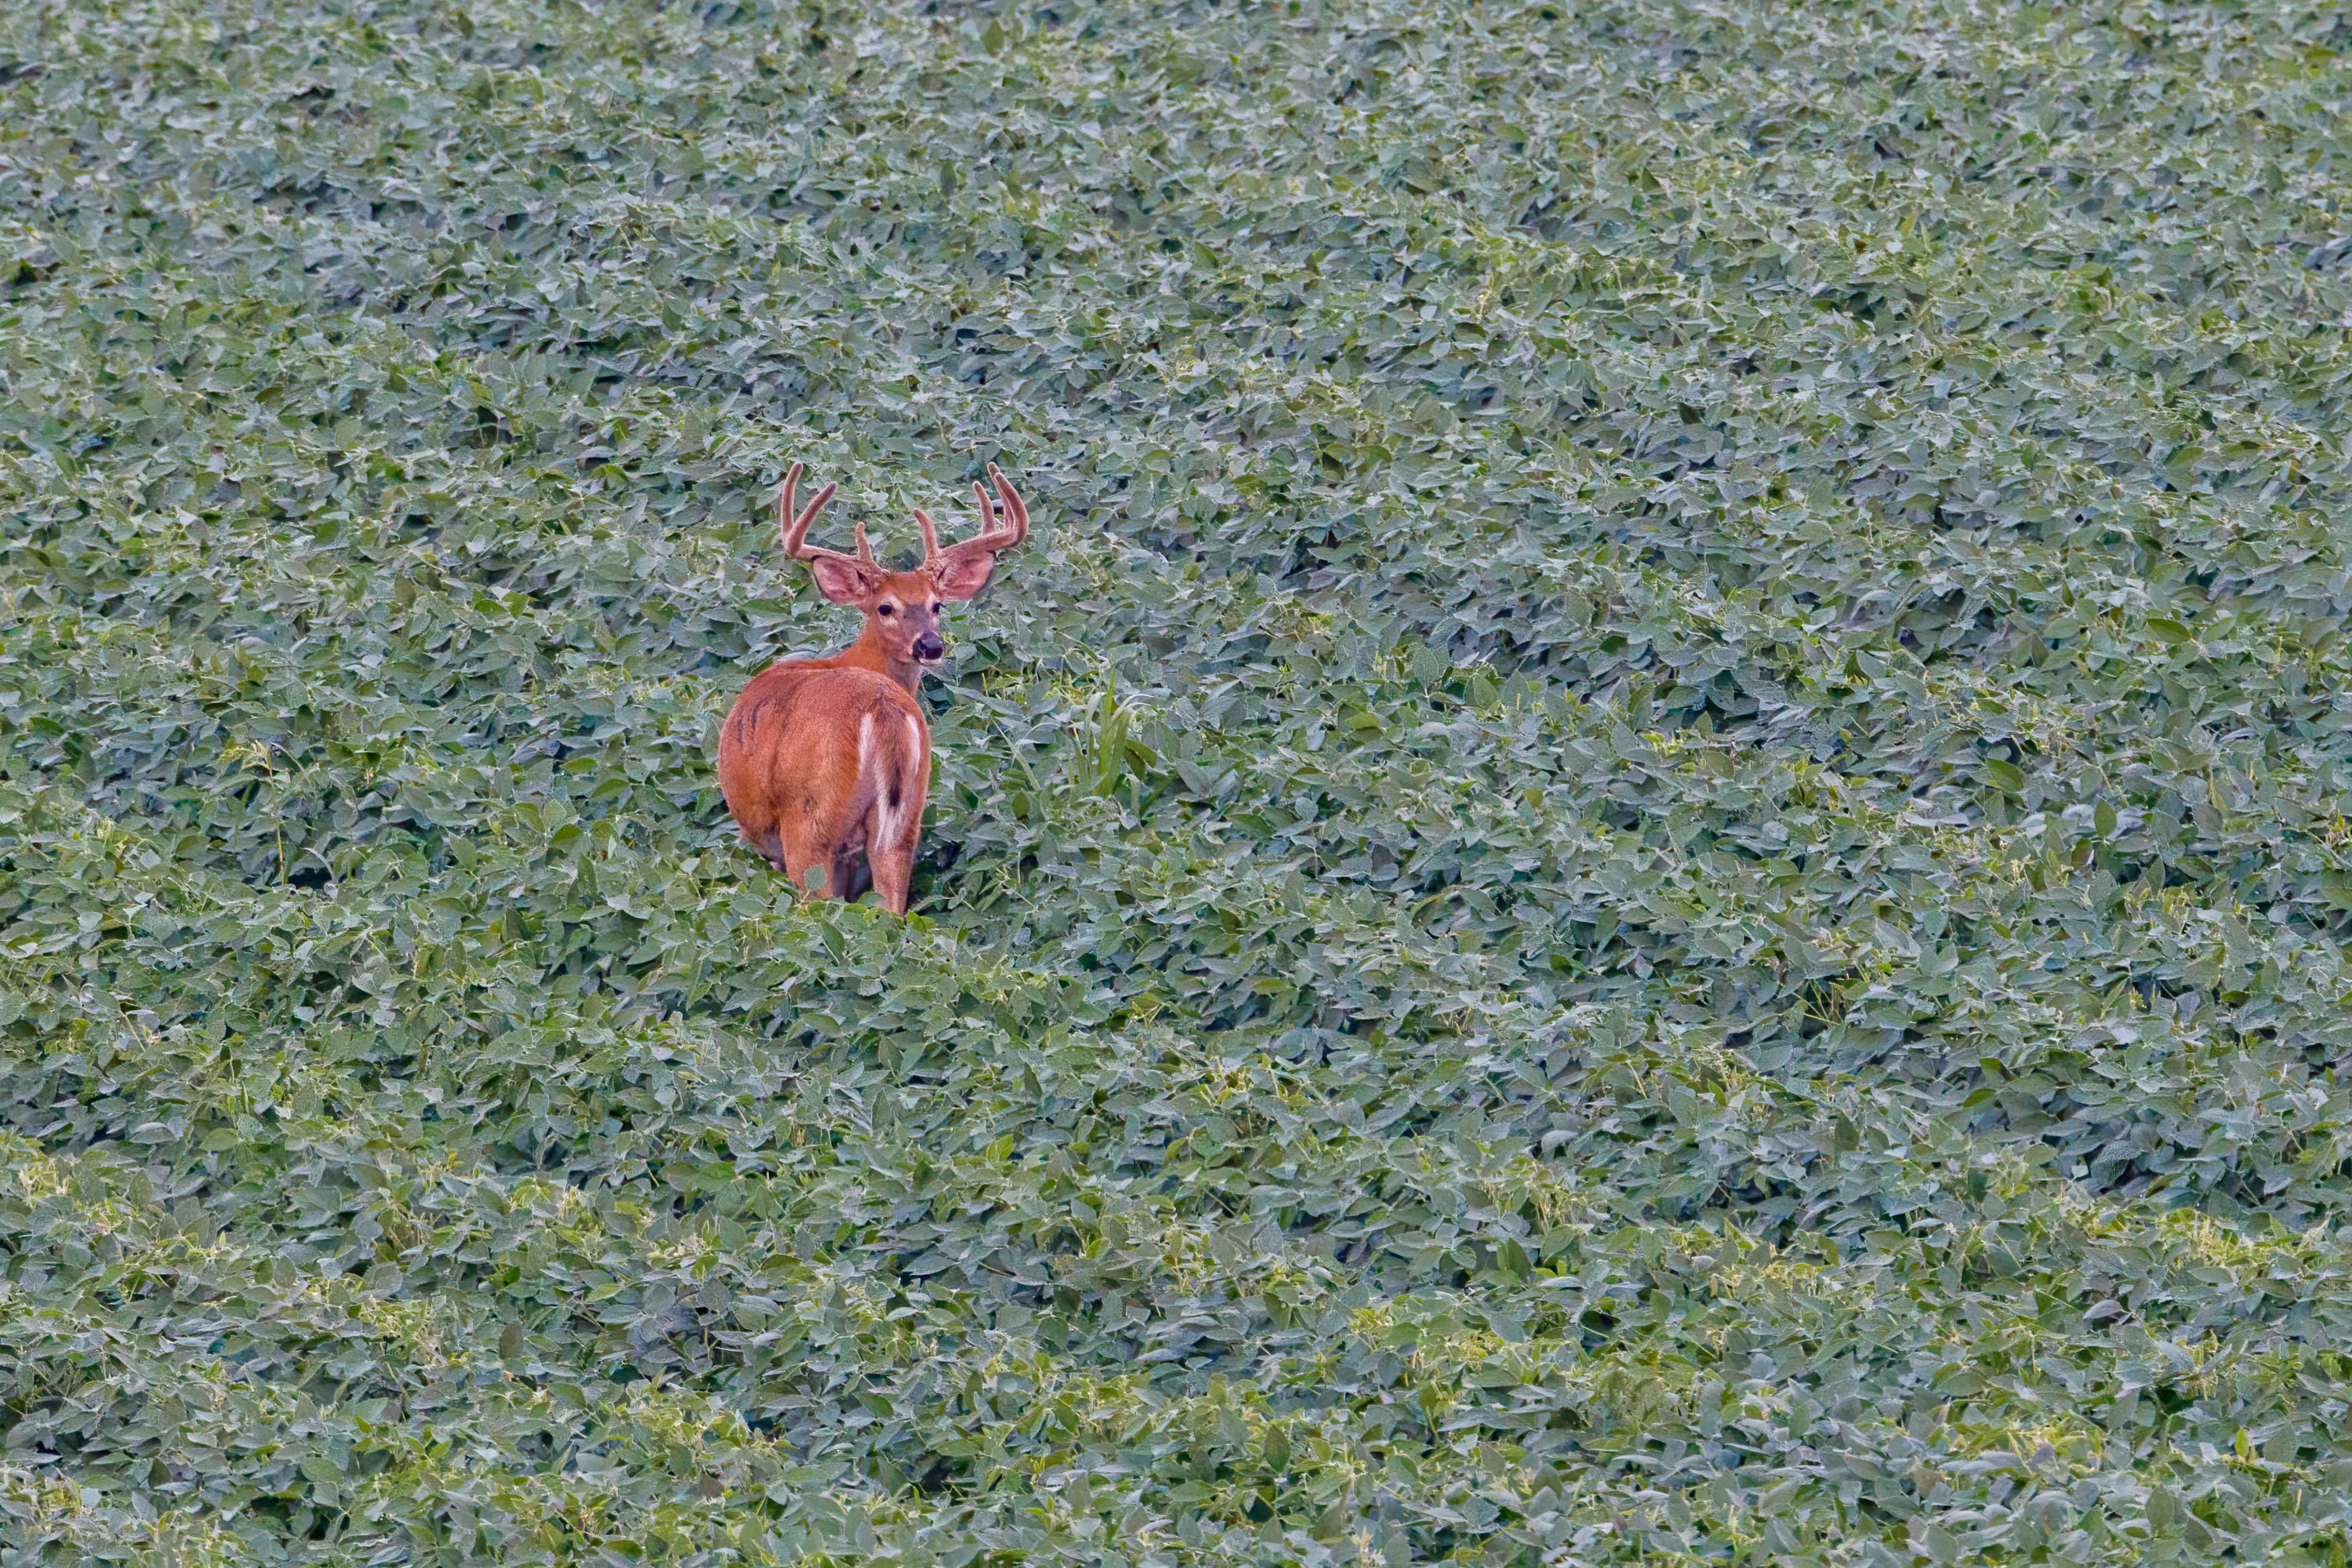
[795,528]
[993,538]
[931,535]
[1016,512]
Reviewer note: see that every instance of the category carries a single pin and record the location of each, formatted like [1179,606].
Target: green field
[1648,864]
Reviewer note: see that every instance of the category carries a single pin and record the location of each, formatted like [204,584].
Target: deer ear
[963,576]
[842,581]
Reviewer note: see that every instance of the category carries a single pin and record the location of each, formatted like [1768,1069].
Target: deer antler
[795,528]
[992,539]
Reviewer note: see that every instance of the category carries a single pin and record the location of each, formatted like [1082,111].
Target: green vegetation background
[1647,865]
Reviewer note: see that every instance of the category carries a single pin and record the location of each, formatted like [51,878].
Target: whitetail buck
[825,762]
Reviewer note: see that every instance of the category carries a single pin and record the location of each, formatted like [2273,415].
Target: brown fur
[790,766]
[826,762]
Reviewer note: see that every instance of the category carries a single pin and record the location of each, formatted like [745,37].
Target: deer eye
[935,607]
[884,610]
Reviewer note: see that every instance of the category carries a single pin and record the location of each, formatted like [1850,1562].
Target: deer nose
[928,646]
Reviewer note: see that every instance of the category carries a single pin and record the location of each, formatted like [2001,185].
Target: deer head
[902,608]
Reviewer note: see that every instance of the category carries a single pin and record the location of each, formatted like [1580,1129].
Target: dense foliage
[1647,865]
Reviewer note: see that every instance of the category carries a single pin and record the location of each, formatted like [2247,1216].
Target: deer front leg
[852,875]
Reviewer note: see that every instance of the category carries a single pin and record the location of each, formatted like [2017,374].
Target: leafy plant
[1649,864]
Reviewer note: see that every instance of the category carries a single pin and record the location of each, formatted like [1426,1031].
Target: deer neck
[867,653]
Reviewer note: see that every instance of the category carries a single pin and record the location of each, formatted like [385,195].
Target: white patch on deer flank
[889,818]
